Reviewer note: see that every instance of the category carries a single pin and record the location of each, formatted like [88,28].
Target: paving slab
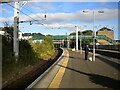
[89,74]
[74,72]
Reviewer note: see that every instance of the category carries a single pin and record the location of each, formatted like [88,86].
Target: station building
[108,33]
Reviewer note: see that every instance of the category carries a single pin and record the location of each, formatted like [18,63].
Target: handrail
[74,37]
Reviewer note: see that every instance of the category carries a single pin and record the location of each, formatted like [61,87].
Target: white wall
[2,32]
[34,41]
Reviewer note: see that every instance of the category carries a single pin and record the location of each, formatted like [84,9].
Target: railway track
[26,80]
[109,53]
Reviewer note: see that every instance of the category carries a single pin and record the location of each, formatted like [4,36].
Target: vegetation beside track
[29,55]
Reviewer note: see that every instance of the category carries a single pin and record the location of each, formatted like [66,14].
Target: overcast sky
[63,13]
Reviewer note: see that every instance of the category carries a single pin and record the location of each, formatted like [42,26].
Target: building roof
[117,40]
[32,34]
[105,28]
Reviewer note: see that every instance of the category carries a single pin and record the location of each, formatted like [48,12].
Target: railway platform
[73,71]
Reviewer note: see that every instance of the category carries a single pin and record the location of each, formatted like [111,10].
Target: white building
[2,32]
[25,36]
[34,41]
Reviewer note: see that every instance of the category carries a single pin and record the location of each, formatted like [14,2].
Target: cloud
[11,19]
[55,26]
[41,6]
[79,16]
[5,11]
[109,14]
[67,26]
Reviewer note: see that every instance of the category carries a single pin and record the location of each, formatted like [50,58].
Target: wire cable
[28,16]
[24,13]
[32,12]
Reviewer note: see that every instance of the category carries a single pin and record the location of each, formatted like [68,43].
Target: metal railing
[57,37]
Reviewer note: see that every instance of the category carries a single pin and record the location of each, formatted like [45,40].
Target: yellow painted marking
[76,51]
[56,81]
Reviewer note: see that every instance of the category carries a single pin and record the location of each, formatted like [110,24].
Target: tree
[79,33]
[49,41]
[87,32]
[84,41]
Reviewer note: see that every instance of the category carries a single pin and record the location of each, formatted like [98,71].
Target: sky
[61,15]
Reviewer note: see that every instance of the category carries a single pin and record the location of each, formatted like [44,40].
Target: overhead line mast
[17,10]
[16,29]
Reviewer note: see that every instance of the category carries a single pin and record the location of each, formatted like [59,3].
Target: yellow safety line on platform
[56,81]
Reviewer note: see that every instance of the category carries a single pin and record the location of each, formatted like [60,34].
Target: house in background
[2,32]
[27,36]
[22,36]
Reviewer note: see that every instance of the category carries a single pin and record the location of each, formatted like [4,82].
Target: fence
[107,47]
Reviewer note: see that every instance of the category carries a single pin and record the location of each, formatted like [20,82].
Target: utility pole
[67,41]
[76,38]
[94,36]
[94,32]
[17,9]
[16,29]
[80,42]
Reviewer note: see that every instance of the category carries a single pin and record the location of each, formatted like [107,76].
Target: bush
[44,48]
[27,55]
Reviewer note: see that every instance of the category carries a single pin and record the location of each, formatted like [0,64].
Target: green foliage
[79,33]
[85,41]
[8,32]
[8,57]
[87,32]
[72,33]
[27,55]
[44,48]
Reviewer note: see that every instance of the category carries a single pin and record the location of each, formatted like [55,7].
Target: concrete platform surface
[73,71]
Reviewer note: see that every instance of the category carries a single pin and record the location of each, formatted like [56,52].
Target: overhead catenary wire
[10,1]
[36,14]
[24,13]
[28,16]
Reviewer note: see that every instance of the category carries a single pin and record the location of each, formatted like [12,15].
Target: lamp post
[76,38]
[67,41]
[94,36]
[80,42]
[94,31]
